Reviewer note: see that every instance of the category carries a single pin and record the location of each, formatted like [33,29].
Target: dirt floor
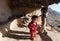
[22,34]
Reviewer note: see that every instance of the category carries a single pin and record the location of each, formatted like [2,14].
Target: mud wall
[6,11]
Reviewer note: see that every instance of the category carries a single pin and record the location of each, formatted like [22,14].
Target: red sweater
[32,26]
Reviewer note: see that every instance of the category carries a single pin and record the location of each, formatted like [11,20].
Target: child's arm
[31,26]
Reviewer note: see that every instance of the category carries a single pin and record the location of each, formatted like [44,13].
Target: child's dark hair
[44,9]
[34,16]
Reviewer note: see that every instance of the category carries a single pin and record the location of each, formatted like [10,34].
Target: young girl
[33,26]
[43,18]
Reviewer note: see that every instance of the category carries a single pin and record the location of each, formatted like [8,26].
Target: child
[43,18]
[33,26]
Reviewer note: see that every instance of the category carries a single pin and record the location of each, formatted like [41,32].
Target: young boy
[33,26]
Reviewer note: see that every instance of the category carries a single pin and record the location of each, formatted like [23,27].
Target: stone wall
[5,12]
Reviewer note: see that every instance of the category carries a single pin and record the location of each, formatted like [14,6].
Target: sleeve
[30,25]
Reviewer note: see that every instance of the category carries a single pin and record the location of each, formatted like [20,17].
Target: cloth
[44,16]
[33,27]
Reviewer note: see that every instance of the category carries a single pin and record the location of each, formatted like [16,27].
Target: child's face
[35,20]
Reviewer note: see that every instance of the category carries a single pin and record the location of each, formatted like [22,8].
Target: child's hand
[41,29]
[32,28]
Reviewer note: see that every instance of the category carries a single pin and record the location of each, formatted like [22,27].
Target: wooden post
[42,24]
[47,9]
[47,3]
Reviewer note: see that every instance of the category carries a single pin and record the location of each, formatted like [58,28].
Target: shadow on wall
[22,11]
